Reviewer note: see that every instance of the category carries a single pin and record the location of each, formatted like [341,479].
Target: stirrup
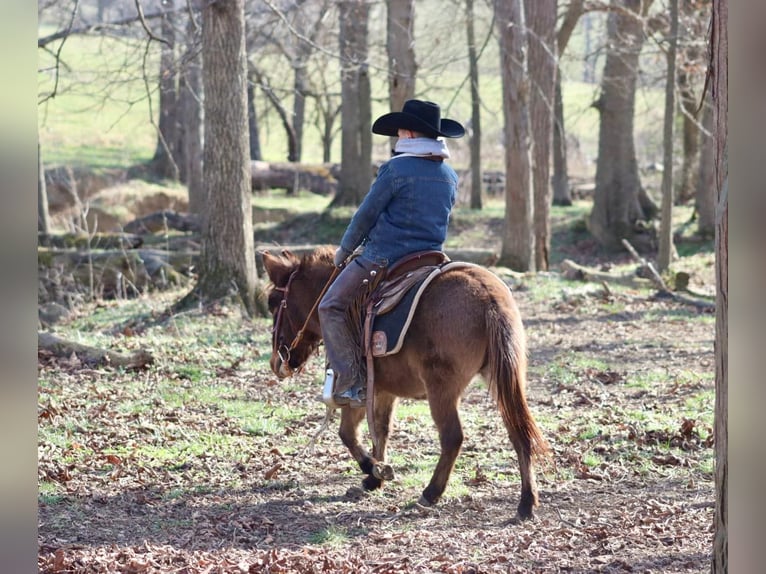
[329,385]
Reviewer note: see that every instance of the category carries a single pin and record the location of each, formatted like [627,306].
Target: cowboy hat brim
[389,124]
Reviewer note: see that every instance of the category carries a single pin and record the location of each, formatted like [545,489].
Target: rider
[406,210]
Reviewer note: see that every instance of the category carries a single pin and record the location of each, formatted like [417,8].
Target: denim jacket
[406,210]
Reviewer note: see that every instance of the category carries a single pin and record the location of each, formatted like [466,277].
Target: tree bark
[356,113]
[618,207]
[518,245]
[665,253]
[719,67]
[540,17]
[227,255]
[475,131]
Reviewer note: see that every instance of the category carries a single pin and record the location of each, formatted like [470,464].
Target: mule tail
[506,374]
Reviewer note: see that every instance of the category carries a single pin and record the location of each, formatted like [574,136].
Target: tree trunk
[356,113]
[400,42]
[720,86]
[166,160]
[691,142]
[227,255]
[300,86]
[665,254]
[43,219]
[518,245]
[190,103]
[560,180]
[540,16]
[475,131]
[706,187]
[617,211]
[252,124]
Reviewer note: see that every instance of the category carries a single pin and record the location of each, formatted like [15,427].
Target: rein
[277,349]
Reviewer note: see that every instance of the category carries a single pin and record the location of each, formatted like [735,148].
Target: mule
[467,323]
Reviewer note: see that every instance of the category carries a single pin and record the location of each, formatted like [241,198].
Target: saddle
[392,302]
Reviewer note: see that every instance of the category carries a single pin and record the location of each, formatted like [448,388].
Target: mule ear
[277,267]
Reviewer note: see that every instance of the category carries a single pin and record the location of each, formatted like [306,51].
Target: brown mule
[466,323]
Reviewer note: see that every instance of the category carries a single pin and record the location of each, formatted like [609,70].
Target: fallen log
[92,356]
[163,221]
[82,241]
[110,274]
[317,178]
[574,272]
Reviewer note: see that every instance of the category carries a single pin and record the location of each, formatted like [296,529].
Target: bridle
[283,351]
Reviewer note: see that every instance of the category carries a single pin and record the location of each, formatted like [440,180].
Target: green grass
[333,536]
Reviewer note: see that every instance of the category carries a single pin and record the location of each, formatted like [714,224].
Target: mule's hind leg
[444,410]
[528,500]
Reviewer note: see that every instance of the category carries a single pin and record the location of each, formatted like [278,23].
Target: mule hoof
[383,471]
[423,501]
[369,483]
[519,518]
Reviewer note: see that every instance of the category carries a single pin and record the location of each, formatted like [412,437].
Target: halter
[276,348]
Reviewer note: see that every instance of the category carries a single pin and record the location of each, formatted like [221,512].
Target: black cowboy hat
[418,116]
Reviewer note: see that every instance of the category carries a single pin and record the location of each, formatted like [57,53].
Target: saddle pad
[389,330]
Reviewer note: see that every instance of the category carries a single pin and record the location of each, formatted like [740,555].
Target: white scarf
[419,147]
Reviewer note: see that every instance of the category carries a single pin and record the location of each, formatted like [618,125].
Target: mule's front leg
[383,415]
[372,465]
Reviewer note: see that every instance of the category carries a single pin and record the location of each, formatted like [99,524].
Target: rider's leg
[340,345]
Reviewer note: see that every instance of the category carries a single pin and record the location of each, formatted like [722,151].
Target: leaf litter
[158,471]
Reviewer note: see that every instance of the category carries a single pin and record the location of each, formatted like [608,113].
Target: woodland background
[177,139]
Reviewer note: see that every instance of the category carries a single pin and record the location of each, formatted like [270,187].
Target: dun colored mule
[466,323]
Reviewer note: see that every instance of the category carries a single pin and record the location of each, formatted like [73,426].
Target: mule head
[296,286]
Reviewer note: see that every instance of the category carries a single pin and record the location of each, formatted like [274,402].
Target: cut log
[320,178]
[92,356]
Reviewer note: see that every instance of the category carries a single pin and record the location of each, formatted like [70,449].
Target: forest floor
[204,462]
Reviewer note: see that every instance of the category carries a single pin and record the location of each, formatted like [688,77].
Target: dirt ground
[621,383]
[629,488]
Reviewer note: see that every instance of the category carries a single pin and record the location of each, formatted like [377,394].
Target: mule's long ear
[277,267]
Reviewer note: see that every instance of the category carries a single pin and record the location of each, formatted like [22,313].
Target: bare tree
[227,254]
[540,17]
[666,223]
[166,156]
[475,125]
[621,206]
[356,113]
[518,245]
[560,179]
[719,68]
[192,122]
